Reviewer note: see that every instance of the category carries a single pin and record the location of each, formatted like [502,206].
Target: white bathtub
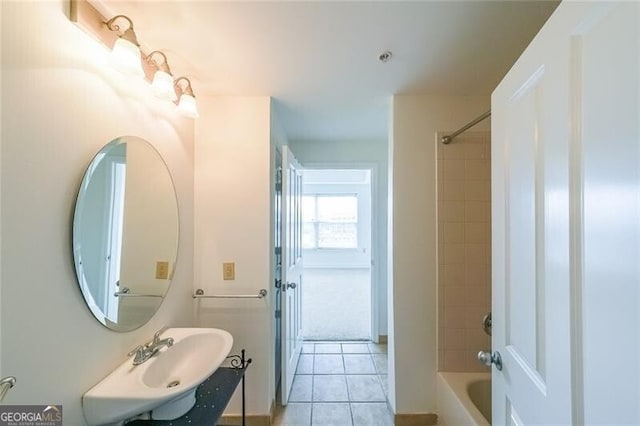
[464,399]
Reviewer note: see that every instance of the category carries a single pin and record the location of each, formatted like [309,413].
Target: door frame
[375,249]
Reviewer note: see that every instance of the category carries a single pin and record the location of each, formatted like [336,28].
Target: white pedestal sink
[164,385]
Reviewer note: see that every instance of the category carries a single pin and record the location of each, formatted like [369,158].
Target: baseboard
[235,420]
[417,419]
[382,339]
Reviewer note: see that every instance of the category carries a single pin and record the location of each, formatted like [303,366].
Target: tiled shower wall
[464,250]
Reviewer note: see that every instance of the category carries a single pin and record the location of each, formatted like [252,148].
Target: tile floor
[338,384]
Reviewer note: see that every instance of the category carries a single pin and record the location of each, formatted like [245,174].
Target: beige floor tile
[365,388]
[384,380]
[328,364]
[328,348]
[381,362]
[356,395]
[301,389]
[330,389]
[355,348]
[371,414]
[294,414]
[305,364]
[308,348]
[331,414]
[377,348]
[359,364]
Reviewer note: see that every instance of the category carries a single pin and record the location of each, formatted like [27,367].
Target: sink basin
[164,385]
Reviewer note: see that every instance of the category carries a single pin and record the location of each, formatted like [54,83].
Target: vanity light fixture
[126,50]
[162,84]
[130,59]
[187,102]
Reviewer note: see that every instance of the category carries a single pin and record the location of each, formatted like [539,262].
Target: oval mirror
[125,233]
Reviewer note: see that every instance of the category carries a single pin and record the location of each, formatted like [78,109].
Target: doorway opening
[336,241]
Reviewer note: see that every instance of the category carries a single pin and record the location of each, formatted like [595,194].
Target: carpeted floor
[336,304]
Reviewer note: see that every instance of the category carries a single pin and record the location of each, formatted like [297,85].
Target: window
[330,221]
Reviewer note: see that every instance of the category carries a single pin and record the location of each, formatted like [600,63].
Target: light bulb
[187,106]
[126,56]
[162,86]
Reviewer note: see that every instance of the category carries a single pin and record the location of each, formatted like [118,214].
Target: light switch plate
[162,270]
[228,271]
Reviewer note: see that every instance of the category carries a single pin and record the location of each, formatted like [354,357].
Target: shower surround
[464,250]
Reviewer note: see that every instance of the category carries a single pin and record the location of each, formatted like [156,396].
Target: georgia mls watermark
[30,415]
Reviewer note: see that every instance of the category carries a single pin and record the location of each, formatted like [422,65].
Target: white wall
[2,374]
[359,154]
[413,223]
[61,103]
[233,187]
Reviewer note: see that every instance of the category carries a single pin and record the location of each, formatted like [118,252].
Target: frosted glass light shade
[187,106]
[126,57]
[162,86]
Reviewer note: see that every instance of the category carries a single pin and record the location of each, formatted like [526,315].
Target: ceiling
[319,60]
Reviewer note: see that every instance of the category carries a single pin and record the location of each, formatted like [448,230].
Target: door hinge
[279,179]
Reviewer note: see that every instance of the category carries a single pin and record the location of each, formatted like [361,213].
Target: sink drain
[173,384]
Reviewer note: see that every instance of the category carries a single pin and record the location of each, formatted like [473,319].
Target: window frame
[316,223]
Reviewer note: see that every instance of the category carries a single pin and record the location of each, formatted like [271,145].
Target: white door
[291,269]
[565,126]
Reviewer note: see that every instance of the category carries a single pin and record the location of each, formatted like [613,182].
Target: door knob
[487,359]
[292,285]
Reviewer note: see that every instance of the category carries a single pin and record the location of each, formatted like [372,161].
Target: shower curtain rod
[447,139]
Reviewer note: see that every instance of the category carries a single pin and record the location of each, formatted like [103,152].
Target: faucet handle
[135,351]
[156,336]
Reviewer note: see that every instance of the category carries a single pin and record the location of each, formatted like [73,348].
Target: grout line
[344,368]
[346,381]
[349,401]
[313,380]
[351,414]
[353,422]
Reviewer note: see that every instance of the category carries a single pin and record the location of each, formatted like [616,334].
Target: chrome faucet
[144,352]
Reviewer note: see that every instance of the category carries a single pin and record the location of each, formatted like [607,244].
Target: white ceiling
[319,60]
